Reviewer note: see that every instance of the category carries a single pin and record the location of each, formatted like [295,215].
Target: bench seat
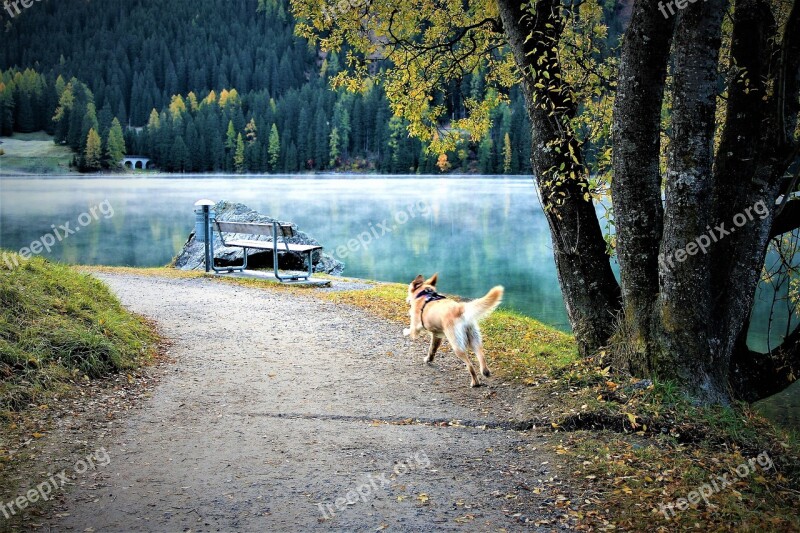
[269,245]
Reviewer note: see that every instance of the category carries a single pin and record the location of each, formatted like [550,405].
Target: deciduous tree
[684,319]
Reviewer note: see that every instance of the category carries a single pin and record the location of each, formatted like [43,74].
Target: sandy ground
[287,413]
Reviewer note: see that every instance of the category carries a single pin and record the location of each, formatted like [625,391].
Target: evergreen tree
[238,158]
[93,155]
[274,148]
[6,110]
[507,154]
[230,144]
[251,131]
[179,156]
[486,155]
[334,147]
[115,144]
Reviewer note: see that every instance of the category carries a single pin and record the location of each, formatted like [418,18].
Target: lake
[476,232]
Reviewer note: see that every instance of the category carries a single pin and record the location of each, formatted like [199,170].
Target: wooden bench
[276,230]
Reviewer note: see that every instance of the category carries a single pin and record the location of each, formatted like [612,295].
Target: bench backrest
[252,228]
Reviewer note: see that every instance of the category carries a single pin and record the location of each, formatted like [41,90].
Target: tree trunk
[590,291]
[688,275]
[689,343]
[636,187]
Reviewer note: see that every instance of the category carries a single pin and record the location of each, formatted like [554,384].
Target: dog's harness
[430,296]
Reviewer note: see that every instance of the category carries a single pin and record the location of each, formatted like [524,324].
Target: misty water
[476,232]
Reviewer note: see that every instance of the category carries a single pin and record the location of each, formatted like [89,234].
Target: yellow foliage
[443,163]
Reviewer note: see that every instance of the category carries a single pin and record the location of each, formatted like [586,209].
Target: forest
[232,89]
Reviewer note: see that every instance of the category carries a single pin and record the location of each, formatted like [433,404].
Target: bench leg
[230,269]
[310,269]
[275,264]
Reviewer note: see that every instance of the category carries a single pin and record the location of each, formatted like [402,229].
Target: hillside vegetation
[231,89]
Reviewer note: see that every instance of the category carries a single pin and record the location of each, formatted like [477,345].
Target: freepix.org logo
[12,7]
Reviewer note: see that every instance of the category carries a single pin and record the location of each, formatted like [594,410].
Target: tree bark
[590,291]
[688,341]
[636,187]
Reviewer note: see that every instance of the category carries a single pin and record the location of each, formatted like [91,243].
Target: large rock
[192,257]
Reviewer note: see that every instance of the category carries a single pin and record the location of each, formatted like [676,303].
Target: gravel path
[280,408]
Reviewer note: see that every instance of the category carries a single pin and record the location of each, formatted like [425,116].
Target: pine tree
[93,156]
[179,156]
[507,154]
[274,147]
[115,144]
[251,131]
[238,158]
[334,147]
[230,137]
[486,155]
[230,145]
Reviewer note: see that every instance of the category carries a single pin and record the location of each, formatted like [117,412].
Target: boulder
[192,257]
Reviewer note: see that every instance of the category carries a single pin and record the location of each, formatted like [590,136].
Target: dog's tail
[483,307]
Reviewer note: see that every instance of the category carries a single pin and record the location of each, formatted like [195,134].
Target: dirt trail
[277,406]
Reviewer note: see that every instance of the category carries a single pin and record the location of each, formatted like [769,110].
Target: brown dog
[456,321]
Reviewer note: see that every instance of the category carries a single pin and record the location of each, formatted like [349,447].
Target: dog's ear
[418,281]
[433,280]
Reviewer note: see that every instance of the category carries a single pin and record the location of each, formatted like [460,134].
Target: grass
[518,347]
[33,153]
[58,326]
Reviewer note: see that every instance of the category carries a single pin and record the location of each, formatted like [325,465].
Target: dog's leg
[436,341]
[476,343]
[414,328]
[460,350]
[412,332]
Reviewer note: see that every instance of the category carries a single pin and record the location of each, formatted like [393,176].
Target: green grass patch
[33,153]
[57,326]
[518,347]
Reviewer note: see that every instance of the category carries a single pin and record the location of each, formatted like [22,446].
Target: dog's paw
[406,332]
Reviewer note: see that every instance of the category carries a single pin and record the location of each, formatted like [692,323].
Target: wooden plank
[269,245]
[256,245]
[252,228]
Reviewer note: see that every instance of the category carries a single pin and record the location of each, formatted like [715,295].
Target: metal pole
[207,229]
